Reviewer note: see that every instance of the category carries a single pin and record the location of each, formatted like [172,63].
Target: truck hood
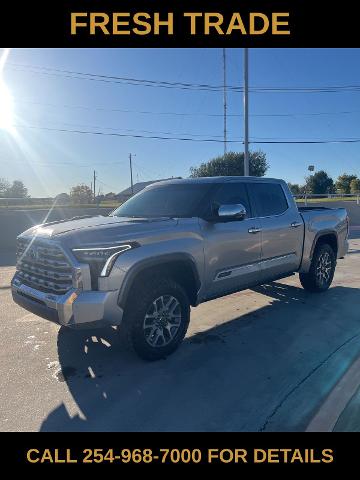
[95,230]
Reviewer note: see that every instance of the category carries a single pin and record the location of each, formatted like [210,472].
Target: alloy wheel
[323,268]
[162,321]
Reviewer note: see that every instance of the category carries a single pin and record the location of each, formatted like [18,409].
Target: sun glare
[6,108]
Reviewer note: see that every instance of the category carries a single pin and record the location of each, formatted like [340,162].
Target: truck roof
[177,181]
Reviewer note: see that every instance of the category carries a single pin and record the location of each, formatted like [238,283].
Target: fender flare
[146,263]
[323,233]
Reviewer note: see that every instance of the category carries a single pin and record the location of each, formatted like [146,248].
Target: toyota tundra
[172,246]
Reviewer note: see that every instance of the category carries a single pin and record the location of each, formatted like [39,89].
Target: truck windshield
[182,200]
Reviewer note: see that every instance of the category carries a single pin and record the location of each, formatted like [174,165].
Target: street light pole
[225,102]
[94,186]
[246,113]
[131,174]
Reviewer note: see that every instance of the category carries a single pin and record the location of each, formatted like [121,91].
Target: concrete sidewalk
[349,420]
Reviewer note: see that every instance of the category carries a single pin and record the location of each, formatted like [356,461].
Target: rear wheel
[322,269]
[156,318]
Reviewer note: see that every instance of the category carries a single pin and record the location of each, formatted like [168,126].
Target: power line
[186,114]
[187,139]
[43,70]
[118,134]
[126,79]
[134,131]
[114,79]
[355,140]
[108,186]
[149,172]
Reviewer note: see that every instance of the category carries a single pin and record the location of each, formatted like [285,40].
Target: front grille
[43,267]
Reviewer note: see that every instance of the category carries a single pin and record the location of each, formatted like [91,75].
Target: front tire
[322,270]
[157,317]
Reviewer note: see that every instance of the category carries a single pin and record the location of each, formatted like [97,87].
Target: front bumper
[76,308]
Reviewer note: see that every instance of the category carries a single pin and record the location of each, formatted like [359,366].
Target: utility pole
[94,186]
[246,113]
[225,102]
[131,174]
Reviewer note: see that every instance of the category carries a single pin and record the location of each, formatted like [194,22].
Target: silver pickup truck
[175,244]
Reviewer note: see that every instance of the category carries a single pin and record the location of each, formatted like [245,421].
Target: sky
[45,101]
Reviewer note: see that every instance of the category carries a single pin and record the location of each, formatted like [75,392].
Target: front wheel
[322,269]
[157,318]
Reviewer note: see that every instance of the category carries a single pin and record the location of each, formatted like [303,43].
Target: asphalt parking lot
[260,360]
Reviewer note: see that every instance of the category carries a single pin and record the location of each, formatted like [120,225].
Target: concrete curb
[336,402]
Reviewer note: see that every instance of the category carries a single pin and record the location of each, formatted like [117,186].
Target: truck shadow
[269,369]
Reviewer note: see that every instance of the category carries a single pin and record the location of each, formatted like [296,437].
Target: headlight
[101,259]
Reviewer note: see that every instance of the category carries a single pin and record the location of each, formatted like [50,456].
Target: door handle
[296,224]
[254,230]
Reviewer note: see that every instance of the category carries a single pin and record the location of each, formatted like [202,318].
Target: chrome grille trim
[43,267]
[48,273]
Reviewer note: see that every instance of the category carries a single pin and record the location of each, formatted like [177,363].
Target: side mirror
[231,212]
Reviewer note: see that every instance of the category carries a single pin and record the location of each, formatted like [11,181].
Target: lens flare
[6,108]
[6,101]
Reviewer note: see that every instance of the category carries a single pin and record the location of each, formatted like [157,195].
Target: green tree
[355,185]
[4,187]
[295,188]
[232,164]
[17,190]
[320,182]
[81,194]
[342,184]
[110,196]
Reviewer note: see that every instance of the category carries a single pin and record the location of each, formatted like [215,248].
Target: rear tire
[322,269]
[157,316]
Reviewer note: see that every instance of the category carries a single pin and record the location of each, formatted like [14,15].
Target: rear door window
[269,199]
[231,194]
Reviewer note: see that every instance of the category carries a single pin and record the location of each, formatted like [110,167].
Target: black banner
[238,452]
[157,23]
